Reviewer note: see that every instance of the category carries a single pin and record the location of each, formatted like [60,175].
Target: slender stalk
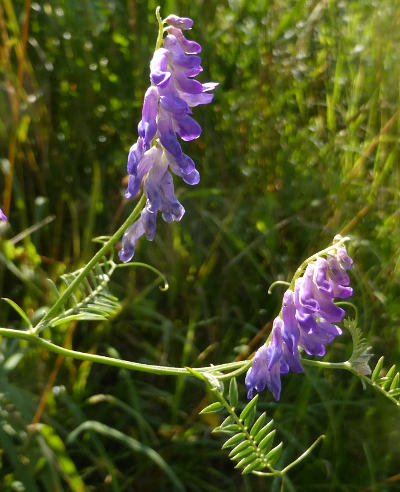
[160,29]
[296,461]
[31,336]
[327,365]
[238,367]
[84,272]
[304,455]
[236,372]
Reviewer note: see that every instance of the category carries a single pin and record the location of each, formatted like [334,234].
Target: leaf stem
[303,455]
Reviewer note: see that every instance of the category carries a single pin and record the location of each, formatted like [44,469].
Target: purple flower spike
[165,117]
[306,321]
[179,22]
[3,216]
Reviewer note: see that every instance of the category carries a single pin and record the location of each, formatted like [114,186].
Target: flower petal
[290,329]
[129,241]
[186,84]
[149,221]
[149,159]
[187,128]
[256,377]
[193,72]
[174,104]
[147,127]
[179,22]
[159,73]
[177,55]
[193,100]
[171,208]
[189,47]
[167,135]
[136,153]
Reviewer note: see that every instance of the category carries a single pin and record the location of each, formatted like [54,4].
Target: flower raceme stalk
[306,320]
[165,114]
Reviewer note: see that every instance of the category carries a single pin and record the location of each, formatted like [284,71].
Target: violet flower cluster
[166,114]
[3,216]
[307,320]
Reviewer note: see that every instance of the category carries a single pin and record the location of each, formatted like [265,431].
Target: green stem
[297,460]
[237,372]
[160,29]
[31,336]
[237,367]
[327,365]
[84,272]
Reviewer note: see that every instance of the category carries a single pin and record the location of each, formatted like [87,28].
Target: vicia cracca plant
[310,314]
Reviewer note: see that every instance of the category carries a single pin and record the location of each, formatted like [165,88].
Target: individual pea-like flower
[306,320]
[165,114]
[3,216]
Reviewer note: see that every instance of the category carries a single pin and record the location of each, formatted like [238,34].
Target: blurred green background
[300,143]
